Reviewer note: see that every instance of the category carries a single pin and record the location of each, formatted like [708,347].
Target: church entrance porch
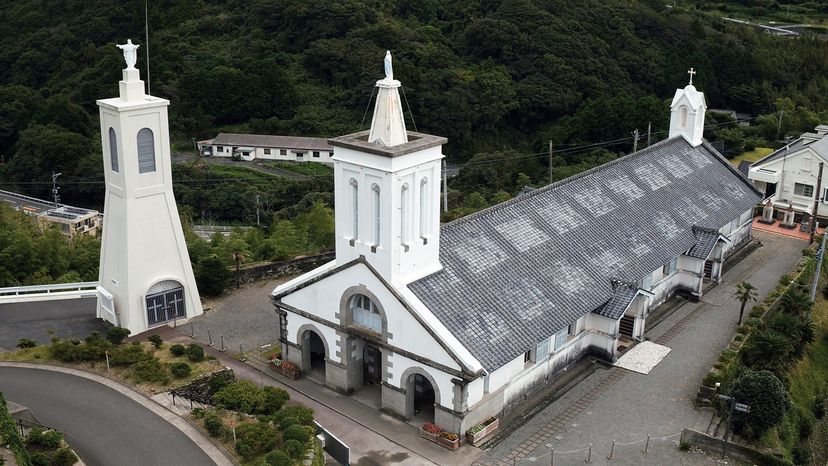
[420,399]
[313,356]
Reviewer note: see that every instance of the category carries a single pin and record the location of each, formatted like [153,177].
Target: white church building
[455,323]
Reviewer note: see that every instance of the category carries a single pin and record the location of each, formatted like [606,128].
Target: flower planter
[428,435]
[275,364]
[292,374]
[474,439]
[447,443]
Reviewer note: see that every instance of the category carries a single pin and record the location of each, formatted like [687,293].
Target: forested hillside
[492,76]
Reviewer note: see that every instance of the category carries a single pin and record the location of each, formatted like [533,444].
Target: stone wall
[733,450]
[277,269]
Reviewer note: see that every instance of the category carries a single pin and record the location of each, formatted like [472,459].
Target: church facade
[455,323]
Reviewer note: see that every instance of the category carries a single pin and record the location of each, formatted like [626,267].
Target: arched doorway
[313,355]
[420,398]
[165,302]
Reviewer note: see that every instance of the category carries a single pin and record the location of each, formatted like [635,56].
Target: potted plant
[430,431]
[291,370]
[478,432]
[275,364]
[448,440]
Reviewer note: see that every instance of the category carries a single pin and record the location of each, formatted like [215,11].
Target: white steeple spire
[687,113]
[388,124]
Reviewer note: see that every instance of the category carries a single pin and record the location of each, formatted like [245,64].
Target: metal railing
[47,289]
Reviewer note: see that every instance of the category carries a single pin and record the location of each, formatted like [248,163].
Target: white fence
[22,294]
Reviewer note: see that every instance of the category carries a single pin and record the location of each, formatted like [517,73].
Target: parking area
[68,318]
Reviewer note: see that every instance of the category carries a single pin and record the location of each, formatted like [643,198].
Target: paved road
[105,427]
[616,404]
[70,318]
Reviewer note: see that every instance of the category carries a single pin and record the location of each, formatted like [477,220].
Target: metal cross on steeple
[691,73]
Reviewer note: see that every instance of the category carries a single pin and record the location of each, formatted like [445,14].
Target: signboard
[742,408]
[334,447]
[107,305]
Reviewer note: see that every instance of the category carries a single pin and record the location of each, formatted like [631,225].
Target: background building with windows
[788,176]
[146,278]
[250,147]
[455,323]
[70,220]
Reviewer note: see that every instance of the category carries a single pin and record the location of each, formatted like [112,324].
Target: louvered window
[146,151]
[113,150]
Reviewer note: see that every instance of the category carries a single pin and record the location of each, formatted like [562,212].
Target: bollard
[191,404]
[192,330]
[173,395]
[241,352]
[552,458]
[106,353]
[210,337]
[646,445]
[612,450]
[222,343]
[589,454]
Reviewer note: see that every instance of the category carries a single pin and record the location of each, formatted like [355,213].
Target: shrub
[155,340]
[39,458]
[245,450]
[195,353]
[287,422]
[35,436]
[198,413]
[259,436]
[294,448]
[180,369]
[64,351]
[177,350]
[273,399]
[213,425]
[296,432]
[116,335]
[242,395]
[150,370]
[801,454]
[302,414]
[768,400]
[126,355]
[51,439]
[819,406]
[64,457]
[26,343]
[278,458]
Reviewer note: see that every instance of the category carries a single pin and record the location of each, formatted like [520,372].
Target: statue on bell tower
[130,53]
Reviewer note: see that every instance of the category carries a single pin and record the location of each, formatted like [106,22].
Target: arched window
[354,209]
[404,214]
[113,150]
[146,151]
[683,120]
[375,194]
[365,313]
[424,210]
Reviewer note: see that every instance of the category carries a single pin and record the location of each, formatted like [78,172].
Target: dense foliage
[768,400]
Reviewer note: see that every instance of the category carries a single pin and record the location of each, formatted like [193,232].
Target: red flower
[432,428]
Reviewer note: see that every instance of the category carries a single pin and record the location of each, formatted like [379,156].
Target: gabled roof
[706,239]
[694,97]
[265,140]
[622,296]
[816,142]
[518,272]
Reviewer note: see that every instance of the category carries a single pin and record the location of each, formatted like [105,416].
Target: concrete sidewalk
[622,406]
[374,438]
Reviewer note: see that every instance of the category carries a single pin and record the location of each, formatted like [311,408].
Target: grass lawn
[40,354]
[751,156]
[304,168]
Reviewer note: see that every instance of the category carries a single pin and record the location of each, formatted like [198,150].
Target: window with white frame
[670,267]
[424,211]
[354,209]
[542,350]
[219,148]
[365,313]
[527,358]
[404,214]
[146,151]
[282,151]
[316,153]
[560,338]
[113,150]
[375,194]
[805,190]
[267,152]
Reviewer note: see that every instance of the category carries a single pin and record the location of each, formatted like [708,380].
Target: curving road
[103,426]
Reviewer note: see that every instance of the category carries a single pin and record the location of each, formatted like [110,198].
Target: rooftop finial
[389,69]
[130,54]
[691,73]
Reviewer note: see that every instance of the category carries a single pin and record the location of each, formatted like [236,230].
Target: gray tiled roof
[266,140]
[518,272]
[622,296]
[706,239]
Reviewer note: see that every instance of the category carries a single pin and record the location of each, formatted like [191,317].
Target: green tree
[745,292]
[768,400]
[212,276]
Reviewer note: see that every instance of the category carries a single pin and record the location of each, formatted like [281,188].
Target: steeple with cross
[687,113]
[691,72]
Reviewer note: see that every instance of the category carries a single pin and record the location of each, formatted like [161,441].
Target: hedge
[10,436]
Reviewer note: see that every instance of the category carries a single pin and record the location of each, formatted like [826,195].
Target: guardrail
[19,294]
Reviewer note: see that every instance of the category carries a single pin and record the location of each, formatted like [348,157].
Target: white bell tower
[687,113]
[387,191]
[146,278]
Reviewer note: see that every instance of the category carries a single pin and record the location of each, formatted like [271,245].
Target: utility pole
[257,211]
[445,186]
[649,132]
[551,174]
[819,257]
[816,204]
[635,140]
[55,188]
[779,124]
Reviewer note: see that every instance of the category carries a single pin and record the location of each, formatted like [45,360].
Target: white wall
[275,154]
[399,365]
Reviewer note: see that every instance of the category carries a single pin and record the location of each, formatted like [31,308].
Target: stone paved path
[615,404]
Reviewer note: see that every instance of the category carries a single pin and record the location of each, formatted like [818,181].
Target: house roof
[622,296]
[265,140]
[706,239]
[518,272]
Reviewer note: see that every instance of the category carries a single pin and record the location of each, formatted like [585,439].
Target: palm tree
[745,292]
